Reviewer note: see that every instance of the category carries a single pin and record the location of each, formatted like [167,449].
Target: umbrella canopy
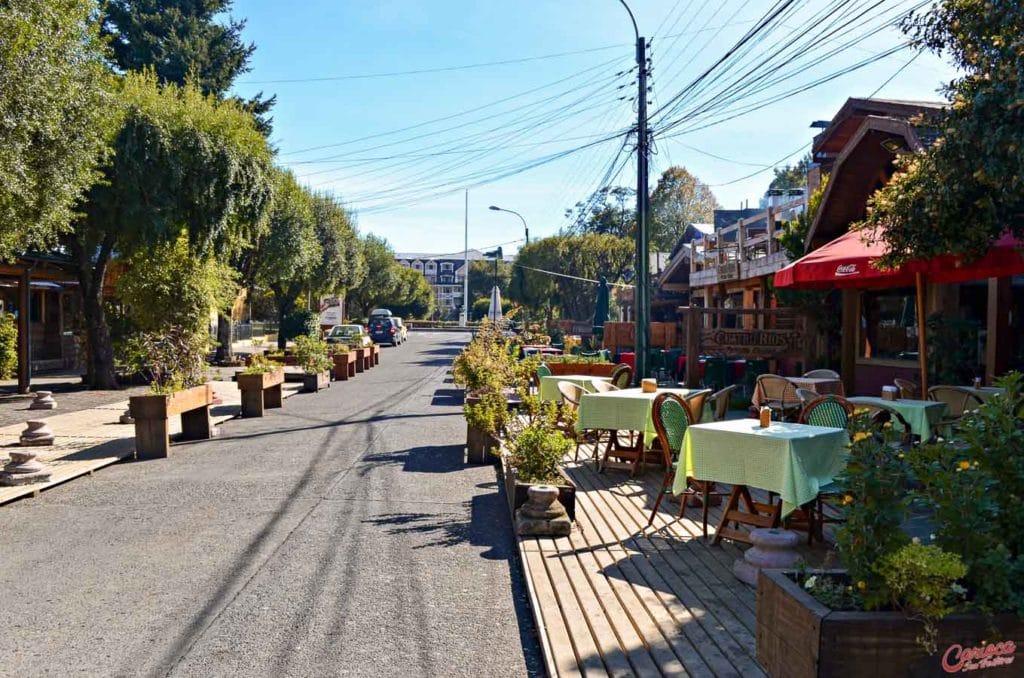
[494,310]
[601,306]
[847,261]
[1004,258]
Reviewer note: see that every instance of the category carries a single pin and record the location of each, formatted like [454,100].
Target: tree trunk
[225,338]
[284,308]
[99,349]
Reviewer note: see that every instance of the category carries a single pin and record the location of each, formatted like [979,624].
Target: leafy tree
[182,163]
[183,41]
[791,176]
[609,210]
[412,297]
[381,276]
[679,199]
[481,278]
[968,188]
[53,105]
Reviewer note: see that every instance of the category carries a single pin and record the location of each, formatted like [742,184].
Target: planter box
[312,383]
[376,354]
[344,365]
[517,490]
[479,444]
[590,369]
[260,391]
[364,356]
[798,637]
[151,414]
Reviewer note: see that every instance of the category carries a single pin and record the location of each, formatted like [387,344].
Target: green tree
[183,41]
[608,210]
[382,273]
[481,278]
[679,199]
[968,187]
[53,106]
[182,163]
[791,176]
[412,296]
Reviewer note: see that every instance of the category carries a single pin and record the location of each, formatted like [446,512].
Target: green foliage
[952,350]
[54,112]
[165,285]
[412,296]
[679,199]
[537,453]
[486,364]
[481,307]
[481,279]
[490,414]
[794,235]
[381,278]
[609,211]
[172,359]
[8,346]
[791,176]
[260,364]
[298,323]
[836,593]
[311,353]
[875,503]
[968,188]
[921,580]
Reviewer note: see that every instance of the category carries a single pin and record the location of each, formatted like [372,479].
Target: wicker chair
[720,402]
[779,394]
[829,410]
[822,374]
[958,399]
[622,376]
[672,416]
[908,389]
[883,414]
[806,395]
[696,402]
[571,394]
[603,386]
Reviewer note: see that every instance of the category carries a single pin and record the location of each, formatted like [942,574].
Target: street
[340,535]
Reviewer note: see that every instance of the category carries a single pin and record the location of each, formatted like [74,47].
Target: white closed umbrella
[494,310]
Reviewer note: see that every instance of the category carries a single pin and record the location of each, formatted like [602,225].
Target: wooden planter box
[344,365]
[151,414]
[312,383]
[798,637]
[479,444]
[260,391]
[364,356]
[517,490]
[590,369]
[376,354]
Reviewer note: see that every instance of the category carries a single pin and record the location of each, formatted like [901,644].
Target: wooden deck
[618,598]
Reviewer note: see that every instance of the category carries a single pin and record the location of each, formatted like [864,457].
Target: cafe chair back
[696,402]
[779,394]
[822,374]
[908,389]
[958,399]
[830,410]
[603,386]
[622,376]
[720,402]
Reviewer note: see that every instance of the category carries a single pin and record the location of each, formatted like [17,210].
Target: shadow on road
[429,459]
[448,396]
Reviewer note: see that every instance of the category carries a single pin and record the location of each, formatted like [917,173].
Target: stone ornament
[127,417]
[24,469]
[773,549]
[44,401]
[542,515]
[37,433]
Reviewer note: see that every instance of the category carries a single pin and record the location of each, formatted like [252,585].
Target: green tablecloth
[986,392]
[549,384]
[625,410]
[922,415]
[792,460]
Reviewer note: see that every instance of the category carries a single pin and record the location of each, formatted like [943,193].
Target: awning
[847,261]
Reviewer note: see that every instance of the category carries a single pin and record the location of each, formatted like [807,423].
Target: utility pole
[641,292]
[464,316]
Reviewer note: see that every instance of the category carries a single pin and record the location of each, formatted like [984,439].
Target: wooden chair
[672,416]
[822,374]
[908,389]
[720,402]
[622,376]
[571,394]
[779,394]
[696,402]
[958,399]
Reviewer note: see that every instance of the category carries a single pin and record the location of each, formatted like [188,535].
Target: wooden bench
[260,391]
[344,365]
[152,413]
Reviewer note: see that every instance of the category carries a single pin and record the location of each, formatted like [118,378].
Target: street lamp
[525,227]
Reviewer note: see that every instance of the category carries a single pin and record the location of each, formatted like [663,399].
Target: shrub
[490,414]
[311,353]
[8,346]
[537,453]
[261,365]
[172,360]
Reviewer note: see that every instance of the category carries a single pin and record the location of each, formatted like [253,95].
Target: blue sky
[339,112]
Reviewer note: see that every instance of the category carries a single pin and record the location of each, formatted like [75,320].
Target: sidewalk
[88,439]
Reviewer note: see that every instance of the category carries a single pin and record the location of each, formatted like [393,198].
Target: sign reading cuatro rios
[774,343]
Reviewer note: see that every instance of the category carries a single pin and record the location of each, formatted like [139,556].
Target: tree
[53,106]
[968,187]
[791,176]
[481,278]
[605,211]
[679,199]
[183,41]
[412,296]
[381,276]
[182,164]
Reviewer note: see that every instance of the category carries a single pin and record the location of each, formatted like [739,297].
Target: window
[446,267]
[888,324]
[431,267]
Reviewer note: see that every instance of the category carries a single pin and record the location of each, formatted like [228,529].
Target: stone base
[773,549]
[745,572]
[35,442]
[537,527]
[126,418]
[11,479]
[543,515]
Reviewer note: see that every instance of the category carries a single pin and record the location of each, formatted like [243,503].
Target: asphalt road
[342,535]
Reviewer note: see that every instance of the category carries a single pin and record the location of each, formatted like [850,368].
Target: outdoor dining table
[549,384]
[820,385]
[628,409]
[923,416]
[793,461]
[986,392]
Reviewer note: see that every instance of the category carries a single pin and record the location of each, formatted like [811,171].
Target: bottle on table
[766,416]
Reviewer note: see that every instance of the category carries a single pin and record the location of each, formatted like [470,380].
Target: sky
[397,107]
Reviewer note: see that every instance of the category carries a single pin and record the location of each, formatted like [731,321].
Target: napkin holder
[890,393]
[649,385]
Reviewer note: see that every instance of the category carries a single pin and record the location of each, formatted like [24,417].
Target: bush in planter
[171,360]
[489,414]
[311,353]
[261,365]
[537,454]
[486,363]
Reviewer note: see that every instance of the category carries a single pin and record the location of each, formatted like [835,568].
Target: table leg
[755,515]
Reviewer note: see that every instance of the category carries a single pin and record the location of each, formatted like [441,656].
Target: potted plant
[260,384]
[486,416]
[535,457]
[948,601]
[344,360]
[174,363]
[311,353]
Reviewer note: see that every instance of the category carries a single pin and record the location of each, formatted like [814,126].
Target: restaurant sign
[768,343]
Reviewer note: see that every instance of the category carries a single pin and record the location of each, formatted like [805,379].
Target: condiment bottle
[766,417]
[977,382]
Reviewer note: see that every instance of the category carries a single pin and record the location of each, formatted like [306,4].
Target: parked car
[387,330]
[353,336]
[380,313]
[403,331]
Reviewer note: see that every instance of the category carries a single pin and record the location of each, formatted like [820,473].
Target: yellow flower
[848,499]
[861,585]
[861,435]
[964,465]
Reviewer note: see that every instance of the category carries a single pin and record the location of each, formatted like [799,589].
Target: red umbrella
[1004,258]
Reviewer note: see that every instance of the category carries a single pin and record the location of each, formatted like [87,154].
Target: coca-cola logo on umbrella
[843,270]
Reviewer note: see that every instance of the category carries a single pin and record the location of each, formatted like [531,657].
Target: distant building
[445,273]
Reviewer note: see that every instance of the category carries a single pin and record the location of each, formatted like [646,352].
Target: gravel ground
[342,535]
